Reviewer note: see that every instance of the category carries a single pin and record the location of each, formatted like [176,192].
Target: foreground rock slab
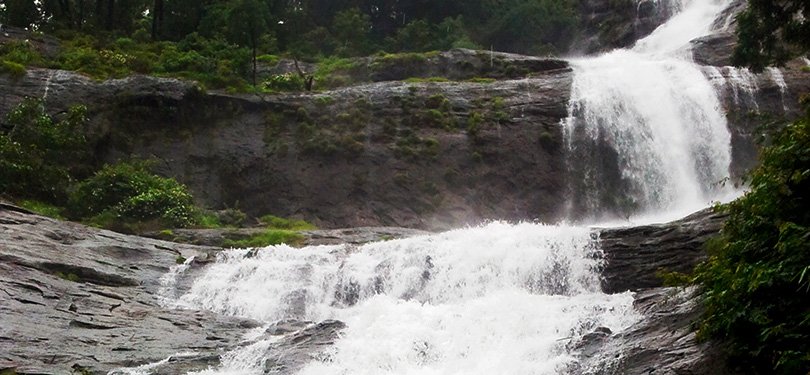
[635,256]
[664,343]
[74,298]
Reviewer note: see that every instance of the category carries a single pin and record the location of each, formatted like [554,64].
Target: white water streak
[659,112]
[779,80]
[469,301]
[167,293]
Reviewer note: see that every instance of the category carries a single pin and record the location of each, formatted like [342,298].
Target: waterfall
[499,298]
[646,132]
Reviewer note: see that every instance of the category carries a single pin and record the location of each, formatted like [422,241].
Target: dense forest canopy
[772,32]
[311,28]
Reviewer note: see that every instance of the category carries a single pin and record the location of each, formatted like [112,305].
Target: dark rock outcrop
[607,25]
[753,101]
[715,49]
[663,343]
[635,255]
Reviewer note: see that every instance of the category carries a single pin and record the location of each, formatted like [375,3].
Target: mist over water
[499,298]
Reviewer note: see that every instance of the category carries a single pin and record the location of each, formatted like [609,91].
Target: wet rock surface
[756,101]
[635,255]
[81,298]
[664,343]
[607,25]
[715,49]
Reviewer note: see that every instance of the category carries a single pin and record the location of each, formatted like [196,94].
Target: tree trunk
[254,64]
[80,20]
[110,14]
[64,7]
[157,19]
[99,11]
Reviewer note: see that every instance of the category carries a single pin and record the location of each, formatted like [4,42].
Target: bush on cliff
[127,194]
[39,156]
[757,279]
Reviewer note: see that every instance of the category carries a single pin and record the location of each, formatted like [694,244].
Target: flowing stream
[500,298]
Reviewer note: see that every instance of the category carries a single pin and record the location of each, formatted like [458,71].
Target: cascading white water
[659,116]
[499,298]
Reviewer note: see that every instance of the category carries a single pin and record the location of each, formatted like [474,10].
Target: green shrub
[42,208]
[39,158]
[268,59]
[335,72]
[13,69]
[269,237]
[231,217]
[285,82]
[482,80]
[757,279]
[427,80]
[130,193]
[20,52]
[275,222]
[208,220]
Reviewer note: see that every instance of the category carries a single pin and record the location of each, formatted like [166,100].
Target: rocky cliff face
[383,151]
[607,25]
[427,155]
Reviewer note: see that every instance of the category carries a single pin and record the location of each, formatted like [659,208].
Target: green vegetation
[13,69]
[40,157]
[129,192]
[222,43]
[43,209]
[772,32]
[45,166]
[268,237]
[277,231]
[757,279]
[72,277]
[481,80]
[427,80]
[275,222]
